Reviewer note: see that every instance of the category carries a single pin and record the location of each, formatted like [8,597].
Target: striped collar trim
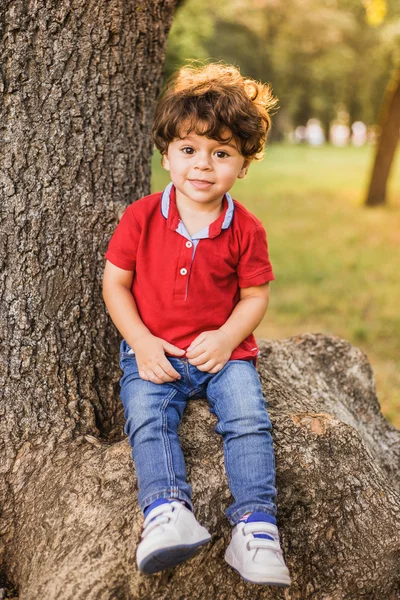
[170,212]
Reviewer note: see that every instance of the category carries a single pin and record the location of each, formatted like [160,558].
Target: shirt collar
[170,212]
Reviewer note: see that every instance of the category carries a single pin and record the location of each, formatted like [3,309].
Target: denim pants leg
[235,396]
[152,416]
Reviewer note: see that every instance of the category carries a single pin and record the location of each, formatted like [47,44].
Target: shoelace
[262,527]
[157,517]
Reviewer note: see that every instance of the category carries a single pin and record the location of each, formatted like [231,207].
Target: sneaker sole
[276,582]
[166,558]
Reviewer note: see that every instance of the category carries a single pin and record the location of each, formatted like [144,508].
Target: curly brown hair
[215,100]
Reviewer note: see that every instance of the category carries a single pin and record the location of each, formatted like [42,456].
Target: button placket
[189,246]
[184,266]
[184,271]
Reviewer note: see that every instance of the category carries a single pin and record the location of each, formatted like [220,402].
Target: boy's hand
[210,351]
[150,357]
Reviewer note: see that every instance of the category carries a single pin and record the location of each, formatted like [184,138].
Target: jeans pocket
[125,349]
[127,358]
[130,352]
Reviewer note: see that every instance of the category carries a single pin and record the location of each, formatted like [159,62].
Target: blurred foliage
[376,11]
[321,56]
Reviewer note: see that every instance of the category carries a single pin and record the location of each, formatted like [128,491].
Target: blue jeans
[153,413]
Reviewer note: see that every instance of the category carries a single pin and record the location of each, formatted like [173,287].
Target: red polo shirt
[184,285]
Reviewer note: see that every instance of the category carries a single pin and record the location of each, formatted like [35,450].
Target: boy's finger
[161,373]
[149,376]
[199,360]
[200,338]
[217,368]
[200,348]
[196,352]
[207,366]
[169,370]
[155,379]
[171,349]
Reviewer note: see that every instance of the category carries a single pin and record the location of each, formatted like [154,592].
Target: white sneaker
[170,536]
[258,560]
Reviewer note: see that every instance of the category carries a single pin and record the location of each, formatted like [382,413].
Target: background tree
[389,117]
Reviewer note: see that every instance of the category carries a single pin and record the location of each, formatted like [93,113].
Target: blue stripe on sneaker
[154,504]
[160,501]
[261,516]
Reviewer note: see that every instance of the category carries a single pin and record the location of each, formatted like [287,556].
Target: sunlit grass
[336,262]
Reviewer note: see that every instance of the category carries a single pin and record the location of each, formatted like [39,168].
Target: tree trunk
[78,80]
[389,123]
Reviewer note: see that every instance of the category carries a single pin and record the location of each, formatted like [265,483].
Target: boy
[186,283]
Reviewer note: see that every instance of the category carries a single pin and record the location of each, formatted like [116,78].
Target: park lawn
[336,262]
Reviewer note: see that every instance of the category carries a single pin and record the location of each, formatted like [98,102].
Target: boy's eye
[187,150]
[221,154]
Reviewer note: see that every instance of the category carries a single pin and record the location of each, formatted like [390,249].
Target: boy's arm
[149,350]
[211,350]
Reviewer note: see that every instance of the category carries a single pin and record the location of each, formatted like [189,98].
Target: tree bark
[78,80]
[389,123]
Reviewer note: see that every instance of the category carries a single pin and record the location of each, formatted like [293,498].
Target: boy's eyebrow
[228,144]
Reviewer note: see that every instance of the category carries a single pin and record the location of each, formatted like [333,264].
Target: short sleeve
[254,265]
[123,245]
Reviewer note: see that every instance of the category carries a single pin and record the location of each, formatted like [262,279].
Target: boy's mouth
[200,184]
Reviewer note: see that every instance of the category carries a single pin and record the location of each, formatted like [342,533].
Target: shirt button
[189,244]
[183,271]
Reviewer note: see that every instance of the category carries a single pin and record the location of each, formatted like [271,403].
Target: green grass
[336,262]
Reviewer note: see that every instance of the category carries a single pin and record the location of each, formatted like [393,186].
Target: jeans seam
[195,391]
[167,443]
[190,382]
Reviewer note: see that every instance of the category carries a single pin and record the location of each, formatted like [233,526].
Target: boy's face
[203,169]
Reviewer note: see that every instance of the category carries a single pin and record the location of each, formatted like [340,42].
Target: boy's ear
[165,161]
[244,169]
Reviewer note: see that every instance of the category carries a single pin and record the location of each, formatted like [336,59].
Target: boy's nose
[203,162]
